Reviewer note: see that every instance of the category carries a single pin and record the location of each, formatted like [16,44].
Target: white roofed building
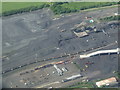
[107,82]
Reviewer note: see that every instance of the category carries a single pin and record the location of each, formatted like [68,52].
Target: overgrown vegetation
[59,9]
[104,88]
[82,85]
[111,18]
[77,65]
[7,12]
[117,74]
[10,8]
[65,7]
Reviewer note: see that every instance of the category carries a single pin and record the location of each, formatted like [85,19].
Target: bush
[110,18]
[58,9]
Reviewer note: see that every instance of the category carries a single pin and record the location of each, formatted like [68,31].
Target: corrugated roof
[81,34]
[106,81]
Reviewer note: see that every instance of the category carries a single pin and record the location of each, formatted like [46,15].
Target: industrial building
[112,51]
[72,78]
[107,82]
[58,70]
[80,33]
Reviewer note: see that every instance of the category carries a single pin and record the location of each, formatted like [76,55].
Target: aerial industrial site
[41,50]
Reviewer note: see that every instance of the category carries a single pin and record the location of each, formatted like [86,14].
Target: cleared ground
[27,39]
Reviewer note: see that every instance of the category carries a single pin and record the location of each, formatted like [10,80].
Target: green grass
[69,7]
[8,6]
[83,85]
[110,18]
[104,88]
[79,5]
[0,7]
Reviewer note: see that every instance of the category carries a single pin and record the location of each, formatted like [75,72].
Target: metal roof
[106,81]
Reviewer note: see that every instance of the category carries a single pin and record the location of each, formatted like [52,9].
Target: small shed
[80,34]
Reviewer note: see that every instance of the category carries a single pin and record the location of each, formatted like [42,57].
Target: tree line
[58,9]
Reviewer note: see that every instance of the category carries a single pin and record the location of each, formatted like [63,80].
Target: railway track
[66,55]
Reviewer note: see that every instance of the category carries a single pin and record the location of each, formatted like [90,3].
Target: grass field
[8,6]
[79,5]
[110,18]
[0,7]
[84,85]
